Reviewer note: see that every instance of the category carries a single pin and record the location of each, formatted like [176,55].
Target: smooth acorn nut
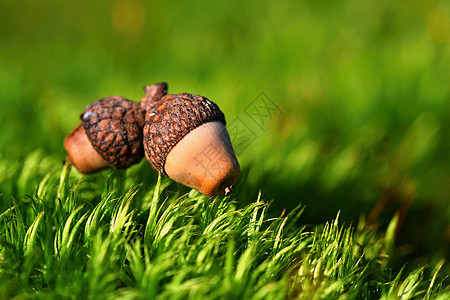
[81,153]
[110,136]
[185,138]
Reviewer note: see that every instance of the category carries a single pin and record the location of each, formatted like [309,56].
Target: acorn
[110,135]
[185,138]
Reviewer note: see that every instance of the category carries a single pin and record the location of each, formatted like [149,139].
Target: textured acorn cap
[113,126]
[172,121]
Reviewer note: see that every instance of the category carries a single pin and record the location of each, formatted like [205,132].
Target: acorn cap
[114,127]
[111,132]
[173,117]
[178,131]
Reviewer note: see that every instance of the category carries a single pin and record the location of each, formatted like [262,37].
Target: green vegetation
[74,238]
[344,185]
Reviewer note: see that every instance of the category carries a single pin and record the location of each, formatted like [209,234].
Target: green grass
[73,238]
[363,90]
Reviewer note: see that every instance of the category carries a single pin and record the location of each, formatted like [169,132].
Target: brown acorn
[110,136]
[185,138]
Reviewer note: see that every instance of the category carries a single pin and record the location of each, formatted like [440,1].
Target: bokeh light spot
[438,24]
[128,16]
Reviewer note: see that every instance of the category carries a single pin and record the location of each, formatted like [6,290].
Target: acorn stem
[153,93]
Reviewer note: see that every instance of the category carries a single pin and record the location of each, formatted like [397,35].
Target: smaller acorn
[110,136]
[185,138]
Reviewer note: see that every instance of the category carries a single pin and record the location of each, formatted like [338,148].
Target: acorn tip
[228,190]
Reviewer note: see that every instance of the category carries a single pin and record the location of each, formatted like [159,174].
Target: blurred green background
[360,89]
